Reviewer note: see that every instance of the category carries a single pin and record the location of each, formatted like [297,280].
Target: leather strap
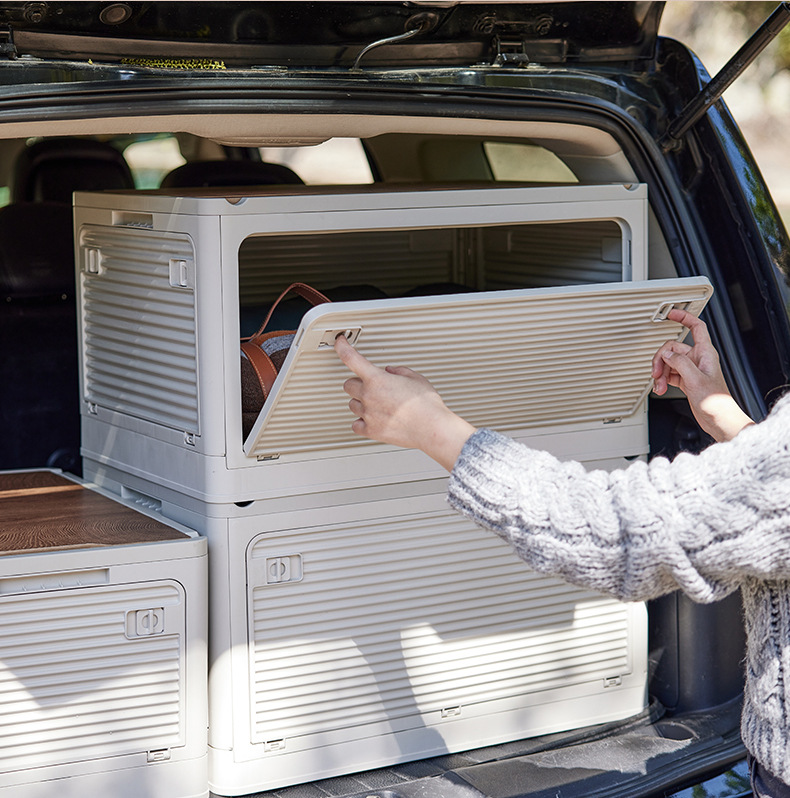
[305,291]
[262,365]
[251,346]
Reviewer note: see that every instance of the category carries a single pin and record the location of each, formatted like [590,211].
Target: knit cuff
[486,472]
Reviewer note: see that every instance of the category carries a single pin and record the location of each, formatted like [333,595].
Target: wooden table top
[41,510]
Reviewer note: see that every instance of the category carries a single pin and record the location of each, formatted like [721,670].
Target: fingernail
[667,355]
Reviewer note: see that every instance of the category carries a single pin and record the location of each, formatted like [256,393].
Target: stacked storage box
[102,645]
[354,621]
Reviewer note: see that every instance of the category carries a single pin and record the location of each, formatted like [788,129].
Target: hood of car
[305,34]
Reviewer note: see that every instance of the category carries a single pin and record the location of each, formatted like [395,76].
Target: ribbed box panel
[401,620]
[510,256]
[392,260]
[138,329]
[76,683]
[542,255]
[509,360]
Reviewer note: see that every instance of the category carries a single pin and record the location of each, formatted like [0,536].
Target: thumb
[683,365]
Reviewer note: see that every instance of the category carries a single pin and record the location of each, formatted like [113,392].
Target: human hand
[399,406]
[697,372]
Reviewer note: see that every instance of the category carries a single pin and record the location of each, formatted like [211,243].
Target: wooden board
[41,510]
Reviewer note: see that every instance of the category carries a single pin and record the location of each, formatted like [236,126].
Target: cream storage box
[102,645]
[382,627]
[499,295]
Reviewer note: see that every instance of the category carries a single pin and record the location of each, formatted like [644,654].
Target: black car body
[590,82]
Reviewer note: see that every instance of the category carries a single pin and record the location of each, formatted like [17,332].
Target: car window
[9,151]
[335,161]
[526,162]
[151,159]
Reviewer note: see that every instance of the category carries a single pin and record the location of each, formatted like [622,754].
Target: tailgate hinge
[7,46]
[510,52]
[509,37]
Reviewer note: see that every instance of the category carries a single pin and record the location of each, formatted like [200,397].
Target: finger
[662,372]
[355,406]
[358,427]
[659,365]
[402,371]
[698,327]
[353,387]
[661,379]
[684,366]
[358,363]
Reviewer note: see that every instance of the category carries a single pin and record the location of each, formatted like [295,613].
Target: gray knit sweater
[708,524]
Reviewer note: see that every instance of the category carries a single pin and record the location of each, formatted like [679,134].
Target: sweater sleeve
[701,523]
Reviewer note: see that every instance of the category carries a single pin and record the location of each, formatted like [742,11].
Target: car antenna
[697,107]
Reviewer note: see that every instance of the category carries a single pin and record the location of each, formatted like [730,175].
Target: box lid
[506,359]
[46,511]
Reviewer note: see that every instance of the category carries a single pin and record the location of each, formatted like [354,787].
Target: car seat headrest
[52,169]
[204,174]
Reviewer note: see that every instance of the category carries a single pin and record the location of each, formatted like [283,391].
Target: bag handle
[305,291]
[262,366]
[260,361]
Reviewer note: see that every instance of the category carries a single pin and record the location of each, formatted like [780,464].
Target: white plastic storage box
[553,286]
[102,646]
[382,627]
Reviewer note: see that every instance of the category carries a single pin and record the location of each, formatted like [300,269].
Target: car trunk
[485,283]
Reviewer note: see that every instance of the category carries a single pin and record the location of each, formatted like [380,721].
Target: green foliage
[692,22]
[753,14]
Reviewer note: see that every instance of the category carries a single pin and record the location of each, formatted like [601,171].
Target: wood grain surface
[40,510]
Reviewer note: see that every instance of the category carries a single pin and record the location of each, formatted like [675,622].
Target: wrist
[447,439]
[722,418]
